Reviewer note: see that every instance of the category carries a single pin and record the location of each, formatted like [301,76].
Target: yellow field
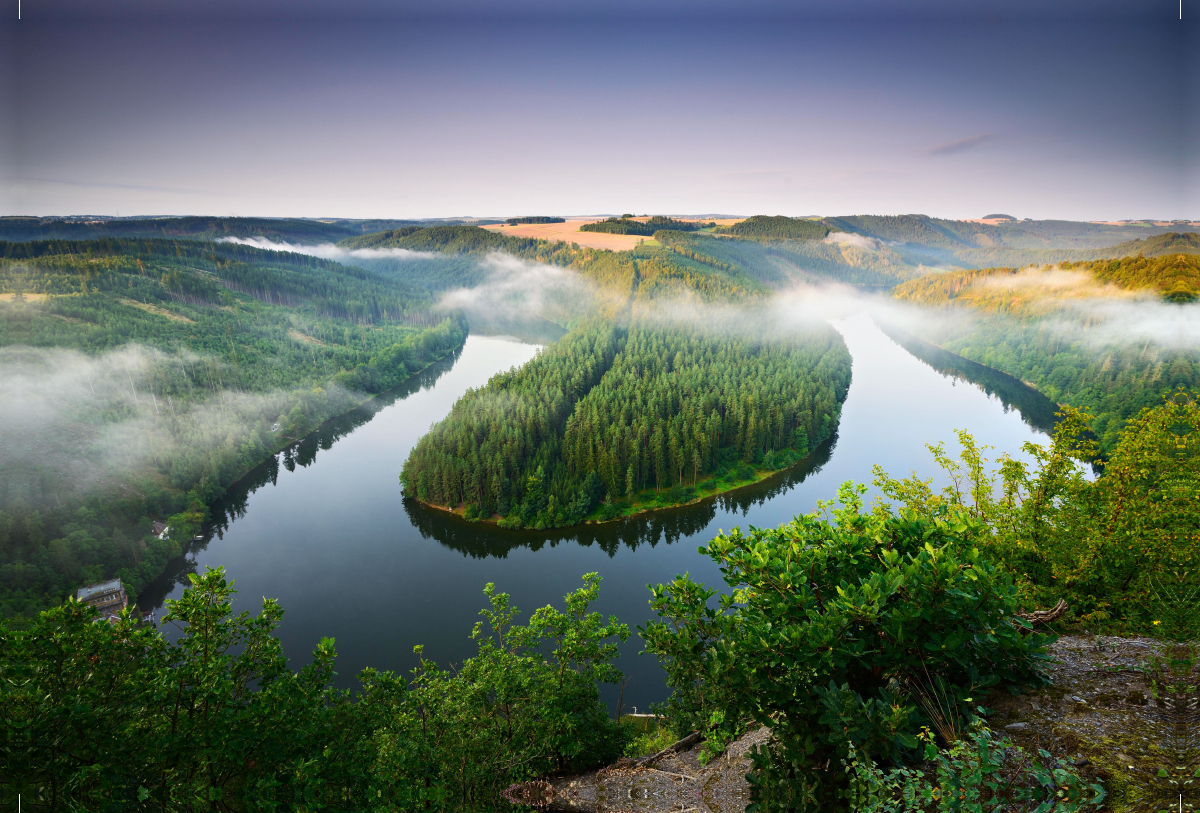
[28,297]
[569,232]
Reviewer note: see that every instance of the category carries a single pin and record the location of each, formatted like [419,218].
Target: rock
[1016,726]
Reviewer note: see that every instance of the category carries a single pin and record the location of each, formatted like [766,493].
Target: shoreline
[205,531]
[639,508]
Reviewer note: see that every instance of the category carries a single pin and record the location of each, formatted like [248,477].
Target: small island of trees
[533,219]
[625,224]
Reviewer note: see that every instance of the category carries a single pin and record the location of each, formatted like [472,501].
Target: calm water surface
[324,529]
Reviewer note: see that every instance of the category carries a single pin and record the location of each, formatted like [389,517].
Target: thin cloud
[962,145]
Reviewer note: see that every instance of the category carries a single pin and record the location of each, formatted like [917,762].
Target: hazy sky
[371,109]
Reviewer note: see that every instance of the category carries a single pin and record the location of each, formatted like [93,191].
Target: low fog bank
[330,251]
[850,239]
[516,289]
[75,424]
[1100,314]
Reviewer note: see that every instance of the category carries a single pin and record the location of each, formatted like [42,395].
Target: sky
[365,108]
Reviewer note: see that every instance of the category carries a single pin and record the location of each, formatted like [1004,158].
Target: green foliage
[1117,548]
[766,227]
[977,774]
[613,411]
[102,717]
[649,740]
[525,705]
[828,622]
[113,717]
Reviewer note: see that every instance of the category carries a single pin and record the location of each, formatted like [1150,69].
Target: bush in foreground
[830,629]
[102,717]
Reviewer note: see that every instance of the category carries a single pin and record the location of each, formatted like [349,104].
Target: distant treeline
[627,225]
[519,221]
[294,230]
[764,227]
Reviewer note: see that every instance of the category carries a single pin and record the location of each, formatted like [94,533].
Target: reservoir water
[324,529]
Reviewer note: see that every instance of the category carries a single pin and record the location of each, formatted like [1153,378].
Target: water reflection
[234,505]
[1035,409]
[666,525]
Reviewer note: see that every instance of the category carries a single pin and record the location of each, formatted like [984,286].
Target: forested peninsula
[615,419]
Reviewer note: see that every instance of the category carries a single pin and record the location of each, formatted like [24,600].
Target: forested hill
[1078,332]
[1169,243]
[764,227]
[780,263]
[199,228]
[1175,276]
[196,271]
[1014,242]
[149,374]
[1027,234]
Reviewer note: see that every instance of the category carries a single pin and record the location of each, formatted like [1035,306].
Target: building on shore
[108,598]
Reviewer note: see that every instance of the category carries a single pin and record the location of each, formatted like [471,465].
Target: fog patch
[1056,282]
[330,251]
[75,424]
[846,238]
[516,288]
[1105,323]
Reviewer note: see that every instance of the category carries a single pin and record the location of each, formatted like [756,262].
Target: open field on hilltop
[569,232]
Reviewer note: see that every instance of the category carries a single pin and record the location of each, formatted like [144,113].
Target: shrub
[977,774]
[526,705]
[1115,546]
[828,621]
[116,717]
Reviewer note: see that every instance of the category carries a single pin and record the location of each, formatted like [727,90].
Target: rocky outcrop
[1123,709]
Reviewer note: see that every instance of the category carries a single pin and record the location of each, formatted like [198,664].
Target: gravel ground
[1098,711]
[673,784]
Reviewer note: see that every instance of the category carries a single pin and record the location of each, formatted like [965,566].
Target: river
[323,527]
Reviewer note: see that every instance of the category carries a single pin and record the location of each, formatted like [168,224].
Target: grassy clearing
[157,311]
